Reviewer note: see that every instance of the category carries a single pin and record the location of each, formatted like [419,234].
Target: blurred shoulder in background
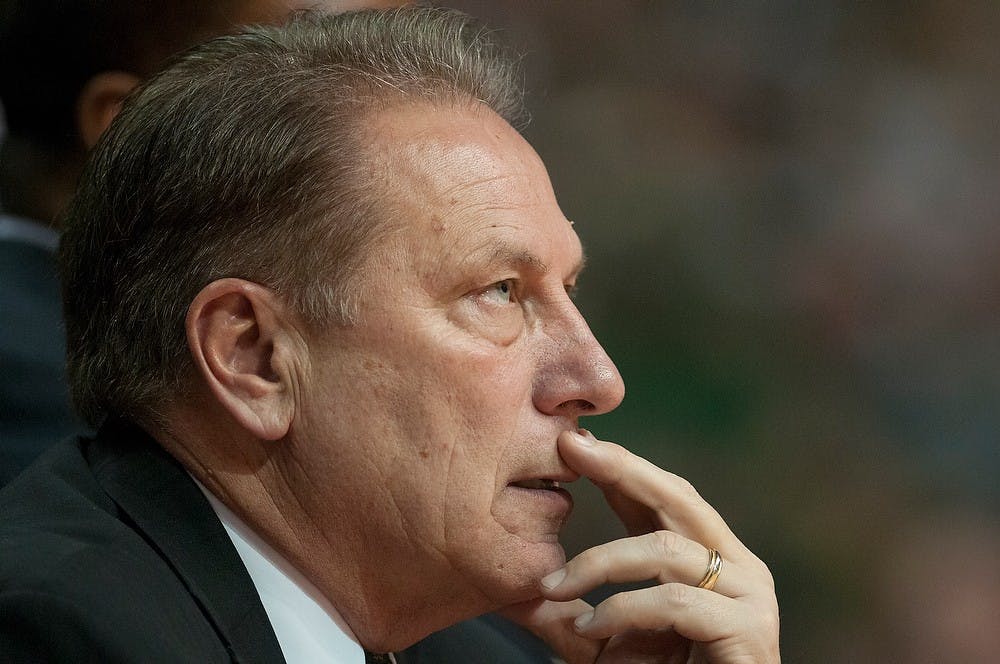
[66,66]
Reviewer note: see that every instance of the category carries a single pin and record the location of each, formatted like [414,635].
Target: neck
[388,599]
[389,590]
[384,600]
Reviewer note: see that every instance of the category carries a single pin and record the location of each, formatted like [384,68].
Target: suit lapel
[171,513]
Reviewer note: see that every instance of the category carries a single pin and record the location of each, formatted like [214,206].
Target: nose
[575,377]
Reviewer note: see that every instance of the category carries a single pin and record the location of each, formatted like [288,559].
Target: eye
[501,292]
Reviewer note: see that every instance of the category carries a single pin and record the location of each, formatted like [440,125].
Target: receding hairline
[169,178]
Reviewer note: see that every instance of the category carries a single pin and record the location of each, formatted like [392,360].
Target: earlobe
[99,102]
[236,336]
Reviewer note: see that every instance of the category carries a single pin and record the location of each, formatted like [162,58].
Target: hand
[671,530]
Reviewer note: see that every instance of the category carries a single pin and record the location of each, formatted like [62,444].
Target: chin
[517,577]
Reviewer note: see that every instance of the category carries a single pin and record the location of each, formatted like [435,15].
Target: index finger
[675,504]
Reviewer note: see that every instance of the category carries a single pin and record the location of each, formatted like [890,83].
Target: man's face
[428,430]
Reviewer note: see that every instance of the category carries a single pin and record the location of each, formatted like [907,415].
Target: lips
[538,500]
[540,483]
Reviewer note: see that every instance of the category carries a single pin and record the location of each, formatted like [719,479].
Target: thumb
[552,622]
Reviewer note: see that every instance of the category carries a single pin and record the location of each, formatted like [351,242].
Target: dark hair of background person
[50,49]
[209,173]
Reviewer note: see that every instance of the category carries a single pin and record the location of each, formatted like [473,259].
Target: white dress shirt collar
[309,629]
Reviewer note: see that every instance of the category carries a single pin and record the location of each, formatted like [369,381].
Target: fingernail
[583,620]
[582,439]
[552,580]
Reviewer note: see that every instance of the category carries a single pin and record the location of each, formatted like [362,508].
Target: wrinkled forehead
[464,190]
[458,159]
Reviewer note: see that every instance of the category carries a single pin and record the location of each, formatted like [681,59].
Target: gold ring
[714,568]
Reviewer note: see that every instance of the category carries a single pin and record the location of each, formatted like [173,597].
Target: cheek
[444,472]
[459,418]
[491,322]
[479,396]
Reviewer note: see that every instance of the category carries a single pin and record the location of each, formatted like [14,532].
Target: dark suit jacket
[110,553]
[34,401]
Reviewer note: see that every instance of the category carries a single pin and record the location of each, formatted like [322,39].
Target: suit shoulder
[46,625]
[74,574]
[59,531]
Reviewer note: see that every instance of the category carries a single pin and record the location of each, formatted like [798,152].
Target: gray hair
[246,158]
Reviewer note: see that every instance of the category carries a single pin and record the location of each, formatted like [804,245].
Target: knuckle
[619,604]
[668,543]
[768,577]
[619,453]
[677,594]
[761,571]
[769,621]
[688,492]
[589,562]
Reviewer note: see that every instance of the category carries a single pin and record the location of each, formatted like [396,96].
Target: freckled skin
[415,421]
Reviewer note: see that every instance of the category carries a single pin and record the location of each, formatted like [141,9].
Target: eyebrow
[525,259]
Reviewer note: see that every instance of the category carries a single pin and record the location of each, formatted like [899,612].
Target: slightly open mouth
[547,484]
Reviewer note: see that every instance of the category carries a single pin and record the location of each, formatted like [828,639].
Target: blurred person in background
[65,68]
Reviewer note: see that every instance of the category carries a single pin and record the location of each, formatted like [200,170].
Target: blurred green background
[791,215]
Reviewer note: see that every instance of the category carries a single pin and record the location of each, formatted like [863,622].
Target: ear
[239,340]
[99,103]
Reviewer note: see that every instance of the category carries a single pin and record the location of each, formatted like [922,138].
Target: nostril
[578,405]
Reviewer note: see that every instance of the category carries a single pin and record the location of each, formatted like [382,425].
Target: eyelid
[513,282]
[514,288]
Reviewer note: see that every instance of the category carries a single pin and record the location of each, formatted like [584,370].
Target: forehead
[462,174]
